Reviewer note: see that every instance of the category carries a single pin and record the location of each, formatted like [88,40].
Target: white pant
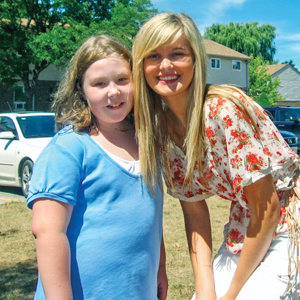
[264,283]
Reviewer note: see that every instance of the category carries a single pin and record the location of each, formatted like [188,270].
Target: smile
[166,78]
[115,105]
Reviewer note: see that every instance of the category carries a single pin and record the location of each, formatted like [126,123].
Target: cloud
[294,37]
[217,9]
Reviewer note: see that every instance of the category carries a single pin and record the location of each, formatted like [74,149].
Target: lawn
[18,260]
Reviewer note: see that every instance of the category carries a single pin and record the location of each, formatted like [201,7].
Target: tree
[264,101]
[291,62]
[247,38]
[261,82]
[35,34]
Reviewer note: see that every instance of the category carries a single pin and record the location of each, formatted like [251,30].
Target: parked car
[286,118]
[23,136]
[292,140]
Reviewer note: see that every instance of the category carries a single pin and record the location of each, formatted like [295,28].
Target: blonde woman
[217,141]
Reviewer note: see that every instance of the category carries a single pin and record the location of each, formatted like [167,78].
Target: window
[287,116]
[19,98]
[215,63]
[236,65]
[7,124]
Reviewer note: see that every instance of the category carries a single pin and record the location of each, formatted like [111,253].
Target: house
[289,83]
[226,66]
[14,99]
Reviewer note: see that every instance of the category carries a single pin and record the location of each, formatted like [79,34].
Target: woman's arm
[265,213]
[50,220]
[198,230]
[162,280]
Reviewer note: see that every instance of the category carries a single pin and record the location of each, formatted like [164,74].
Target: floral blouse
[234,156]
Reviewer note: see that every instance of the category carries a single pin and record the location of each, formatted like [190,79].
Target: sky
[283,14]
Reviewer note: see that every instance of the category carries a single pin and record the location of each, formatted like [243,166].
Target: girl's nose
[113,90]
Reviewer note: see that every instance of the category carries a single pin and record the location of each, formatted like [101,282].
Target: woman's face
[169,70]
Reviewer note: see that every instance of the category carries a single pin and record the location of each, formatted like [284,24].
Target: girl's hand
[162,283]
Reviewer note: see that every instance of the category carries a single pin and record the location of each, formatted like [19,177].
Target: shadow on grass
[18,281]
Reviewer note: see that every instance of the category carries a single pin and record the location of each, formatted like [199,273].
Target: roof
[214,48]
[272,69]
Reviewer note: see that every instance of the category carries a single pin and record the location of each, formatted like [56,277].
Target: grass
[18,268]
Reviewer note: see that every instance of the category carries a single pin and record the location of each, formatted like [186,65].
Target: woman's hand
[198,230]
[265,212]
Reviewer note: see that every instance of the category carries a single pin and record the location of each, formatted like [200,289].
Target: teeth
[168,77]
[115,105]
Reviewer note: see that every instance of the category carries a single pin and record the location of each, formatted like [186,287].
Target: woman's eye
[178,54]
[153,56]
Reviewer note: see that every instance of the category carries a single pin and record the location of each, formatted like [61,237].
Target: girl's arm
[198,230]
[162,280]
[265,213]
[50,220]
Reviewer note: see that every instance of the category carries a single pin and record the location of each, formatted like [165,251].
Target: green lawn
[18,269]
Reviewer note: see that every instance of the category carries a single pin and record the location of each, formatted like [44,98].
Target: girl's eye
[100,84]
[123,80]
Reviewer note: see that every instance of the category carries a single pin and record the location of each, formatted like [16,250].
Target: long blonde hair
[70,105]
[151,113]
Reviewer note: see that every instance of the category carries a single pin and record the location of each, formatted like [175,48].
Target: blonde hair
[70,105]
[151,114]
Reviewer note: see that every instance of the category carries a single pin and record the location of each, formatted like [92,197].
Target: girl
[98,228]
[217,141]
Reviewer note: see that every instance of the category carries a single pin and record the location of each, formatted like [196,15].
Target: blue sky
[283,14]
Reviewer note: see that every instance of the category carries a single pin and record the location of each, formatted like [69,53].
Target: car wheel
[26,176]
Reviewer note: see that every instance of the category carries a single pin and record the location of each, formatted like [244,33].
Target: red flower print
[235,234]
[237,180]
[267,151]
[252,158]
[239,113]
[243,137]
[189,194]
[209,132]
[234,133]
[227,122]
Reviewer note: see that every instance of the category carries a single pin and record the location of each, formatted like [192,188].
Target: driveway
[11,194]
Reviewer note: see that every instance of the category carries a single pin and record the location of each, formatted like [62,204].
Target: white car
[23,136]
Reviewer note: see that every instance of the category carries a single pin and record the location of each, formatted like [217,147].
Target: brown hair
[70,105]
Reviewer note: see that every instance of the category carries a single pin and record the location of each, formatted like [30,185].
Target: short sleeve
[241,155]
[57,173]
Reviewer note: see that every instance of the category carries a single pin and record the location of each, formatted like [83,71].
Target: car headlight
[291,140]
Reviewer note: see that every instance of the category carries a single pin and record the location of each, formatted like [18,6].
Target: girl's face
[169,70]
[108,89]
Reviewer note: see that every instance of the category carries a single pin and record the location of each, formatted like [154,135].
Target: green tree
[264,101]
[35,34]
[247,38]
[291,62]
[261,82]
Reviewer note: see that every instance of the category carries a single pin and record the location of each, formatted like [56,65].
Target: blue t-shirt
[116,225]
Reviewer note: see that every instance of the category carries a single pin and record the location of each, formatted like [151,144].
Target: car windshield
[37,126]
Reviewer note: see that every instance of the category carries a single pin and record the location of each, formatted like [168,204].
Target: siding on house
[289,81]
[226,74]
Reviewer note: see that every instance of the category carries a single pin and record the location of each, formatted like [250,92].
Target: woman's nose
[166,64]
